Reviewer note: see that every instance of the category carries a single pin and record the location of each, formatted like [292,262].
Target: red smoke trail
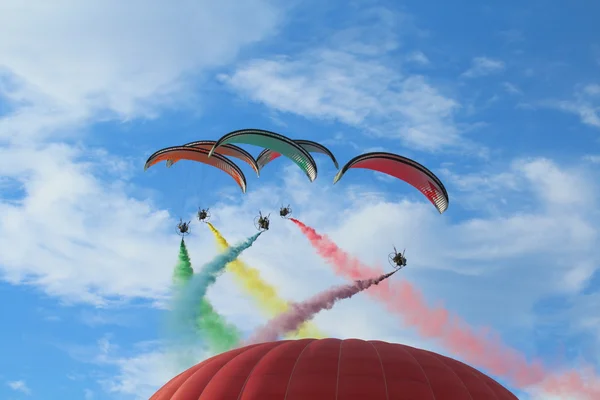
[299,313]
[476,348]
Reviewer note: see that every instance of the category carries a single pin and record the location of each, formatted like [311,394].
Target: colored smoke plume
[304,311]
[220,336]
[265,295]
[476,348]
[193,314]
[183,269]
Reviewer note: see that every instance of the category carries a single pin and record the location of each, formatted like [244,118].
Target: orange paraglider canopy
[331,369]
[229,150]
[201,156]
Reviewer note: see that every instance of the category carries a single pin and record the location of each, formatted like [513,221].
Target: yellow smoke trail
[266,295]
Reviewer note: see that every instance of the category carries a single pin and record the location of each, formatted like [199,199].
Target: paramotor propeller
[183,228]
[285,212]
[261,222]
[397,260]
[203,215]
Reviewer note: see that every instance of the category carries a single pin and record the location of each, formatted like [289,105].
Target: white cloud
[482,66]
[585,104]
[98,57]
[593,158]
[418,57]
[140,375]
[502,192]
[367,90]
[588,113]
[124,59]
[120,57]
[85,239]
[67,226]
[511,88]
[135,372]
[548,247]
[559,187]
[592,89]
[76,236]
[19,386]
[334,85]
[309,86]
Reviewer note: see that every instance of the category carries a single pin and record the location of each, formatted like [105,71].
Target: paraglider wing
[155,158]
[274,141]
[314,147]
[405,169]
[228,150]
[199,155]
[267,155]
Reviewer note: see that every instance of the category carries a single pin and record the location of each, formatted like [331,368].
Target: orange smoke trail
[477,348]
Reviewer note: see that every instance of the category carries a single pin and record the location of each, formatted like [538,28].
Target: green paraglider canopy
[268,155]
[273,141]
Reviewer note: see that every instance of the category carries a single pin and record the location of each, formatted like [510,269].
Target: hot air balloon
[332,369]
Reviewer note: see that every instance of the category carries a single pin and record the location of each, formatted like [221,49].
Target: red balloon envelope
[331,369]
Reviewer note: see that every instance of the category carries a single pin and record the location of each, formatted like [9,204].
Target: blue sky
[501,100]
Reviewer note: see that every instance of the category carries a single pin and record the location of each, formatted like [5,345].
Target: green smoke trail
[219,335]
[181,275]
[185,311]
[183,270]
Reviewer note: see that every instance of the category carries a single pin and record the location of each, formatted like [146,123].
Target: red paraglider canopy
[405,169]
[331,369]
